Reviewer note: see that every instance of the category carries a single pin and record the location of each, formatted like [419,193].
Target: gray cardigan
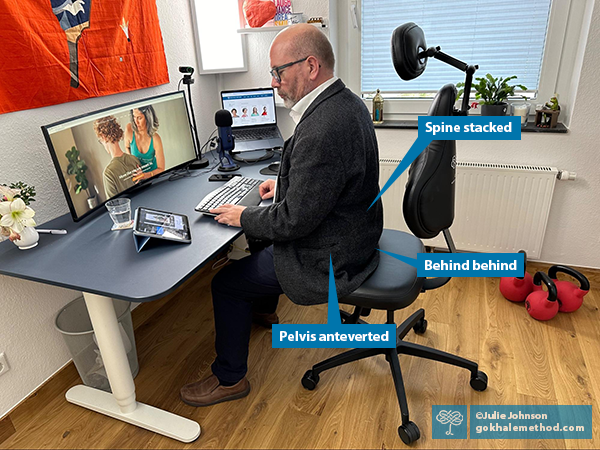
[328,177]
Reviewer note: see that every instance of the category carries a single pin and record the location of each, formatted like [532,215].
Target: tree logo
[449,417]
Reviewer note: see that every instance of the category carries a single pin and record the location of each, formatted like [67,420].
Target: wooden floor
[528,362]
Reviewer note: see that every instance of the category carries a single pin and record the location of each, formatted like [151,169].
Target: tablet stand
[140,242]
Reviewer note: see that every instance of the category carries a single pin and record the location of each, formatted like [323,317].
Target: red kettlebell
[542,305]
[570,296]
[516,289]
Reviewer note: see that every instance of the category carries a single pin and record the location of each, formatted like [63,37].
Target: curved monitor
[105,153]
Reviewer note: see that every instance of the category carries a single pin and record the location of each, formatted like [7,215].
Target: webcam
[186,69]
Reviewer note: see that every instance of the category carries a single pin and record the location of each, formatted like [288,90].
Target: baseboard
[7,429]
[28,396]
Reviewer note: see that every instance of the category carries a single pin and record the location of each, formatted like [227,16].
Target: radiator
[499,207]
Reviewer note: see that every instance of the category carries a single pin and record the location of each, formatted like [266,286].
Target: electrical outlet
[4,367]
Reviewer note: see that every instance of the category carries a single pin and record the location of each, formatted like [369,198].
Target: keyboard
[237,191]
[255,135]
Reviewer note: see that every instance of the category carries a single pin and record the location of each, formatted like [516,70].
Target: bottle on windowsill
[378,108]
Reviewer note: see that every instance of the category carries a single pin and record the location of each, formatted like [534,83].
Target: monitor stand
[198,164]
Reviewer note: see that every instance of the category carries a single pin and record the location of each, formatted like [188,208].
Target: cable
[189,85]
[220,263]
[210,138]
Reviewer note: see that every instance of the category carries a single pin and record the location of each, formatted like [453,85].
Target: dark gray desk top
[92,258]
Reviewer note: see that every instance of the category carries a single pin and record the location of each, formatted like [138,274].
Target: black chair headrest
[408,41]
[428,205]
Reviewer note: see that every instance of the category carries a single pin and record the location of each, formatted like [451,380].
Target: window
[220,48]
[540,41]
[484,32]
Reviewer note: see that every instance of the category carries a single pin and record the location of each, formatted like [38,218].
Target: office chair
[428,209]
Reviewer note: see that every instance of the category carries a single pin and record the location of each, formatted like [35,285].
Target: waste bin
[73,322]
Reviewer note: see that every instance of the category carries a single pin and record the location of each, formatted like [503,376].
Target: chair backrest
[429,196]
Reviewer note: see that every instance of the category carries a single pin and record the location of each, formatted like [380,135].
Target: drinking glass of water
[120,211]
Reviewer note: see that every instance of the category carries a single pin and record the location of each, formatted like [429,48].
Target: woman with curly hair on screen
[119,173]
[143,142]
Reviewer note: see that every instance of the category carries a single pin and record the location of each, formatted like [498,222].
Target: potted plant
[492,93]
[78,168]
[16,217]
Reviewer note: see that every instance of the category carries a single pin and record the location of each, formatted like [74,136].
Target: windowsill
[560,128]
[400,124]
[413,125]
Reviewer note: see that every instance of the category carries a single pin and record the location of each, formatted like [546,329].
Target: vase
[29,238]
[494,110]
[92,202]
[521,110]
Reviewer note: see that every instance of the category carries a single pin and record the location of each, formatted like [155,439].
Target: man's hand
[267,189]
[229,215]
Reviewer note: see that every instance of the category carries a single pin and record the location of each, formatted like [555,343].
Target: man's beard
[289,103]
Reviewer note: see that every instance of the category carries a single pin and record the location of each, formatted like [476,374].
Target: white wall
[573,233]
[258,60]
[35,350]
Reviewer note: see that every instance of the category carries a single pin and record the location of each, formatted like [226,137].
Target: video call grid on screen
[174,132]
[259,106]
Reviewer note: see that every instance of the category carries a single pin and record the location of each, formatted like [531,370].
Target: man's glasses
[275,71]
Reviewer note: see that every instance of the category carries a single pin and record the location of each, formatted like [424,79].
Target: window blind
[504,38]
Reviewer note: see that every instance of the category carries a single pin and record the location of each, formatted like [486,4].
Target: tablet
[162,225]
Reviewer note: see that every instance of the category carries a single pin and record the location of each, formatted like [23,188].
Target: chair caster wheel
[479,382]
[420,327]
[310,380]
[409,433]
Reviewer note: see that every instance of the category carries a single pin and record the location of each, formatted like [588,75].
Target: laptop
[254,119]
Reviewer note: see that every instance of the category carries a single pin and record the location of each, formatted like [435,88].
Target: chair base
[408,431]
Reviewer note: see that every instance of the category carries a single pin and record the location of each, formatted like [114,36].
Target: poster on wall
[57,51]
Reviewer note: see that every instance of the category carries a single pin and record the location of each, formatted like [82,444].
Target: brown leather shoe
[266,320]
[209,392]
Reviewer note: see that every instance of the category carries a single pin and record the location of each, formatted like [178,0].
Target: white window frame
[562,45]
[199,44]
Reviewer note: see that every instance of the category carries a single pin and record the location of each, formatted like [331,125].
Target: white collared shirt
[300,108]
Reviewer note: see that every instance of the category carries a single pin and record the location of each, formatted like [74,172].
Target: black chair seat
[394,284]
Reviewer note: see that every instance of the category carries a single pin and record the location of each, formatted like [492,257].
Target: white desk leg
[121,404]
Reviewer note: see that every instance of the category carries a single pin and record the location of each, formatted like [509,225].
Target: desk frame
[122,404]
[93,237]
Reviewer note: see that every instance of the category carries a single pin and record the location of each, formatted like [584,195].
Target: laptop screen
[250,107]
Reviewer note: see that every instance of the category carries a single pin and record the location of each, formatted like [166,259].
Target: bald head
[302,40]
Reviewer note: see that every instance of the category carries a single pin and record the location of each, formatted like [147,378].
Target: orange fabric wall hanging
[57,51]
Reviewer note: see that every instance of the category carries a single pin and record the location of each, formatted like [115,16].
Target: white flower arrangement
[15,214]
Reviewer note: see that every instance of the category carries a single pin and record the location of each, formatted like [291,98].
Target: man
[119,173]
[328,178]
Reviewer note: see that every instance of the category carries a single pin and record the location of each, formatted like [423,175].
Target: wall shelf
[272,28]
[261,29]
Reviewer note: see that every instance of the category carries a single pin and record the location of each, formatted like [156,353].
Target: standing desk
[104,264]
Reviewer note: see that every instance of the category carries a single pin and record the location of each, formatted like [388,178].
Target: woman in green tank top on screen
[143,142]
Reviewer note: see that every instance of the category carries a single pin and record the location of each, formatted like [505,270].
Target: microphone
[223,121]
